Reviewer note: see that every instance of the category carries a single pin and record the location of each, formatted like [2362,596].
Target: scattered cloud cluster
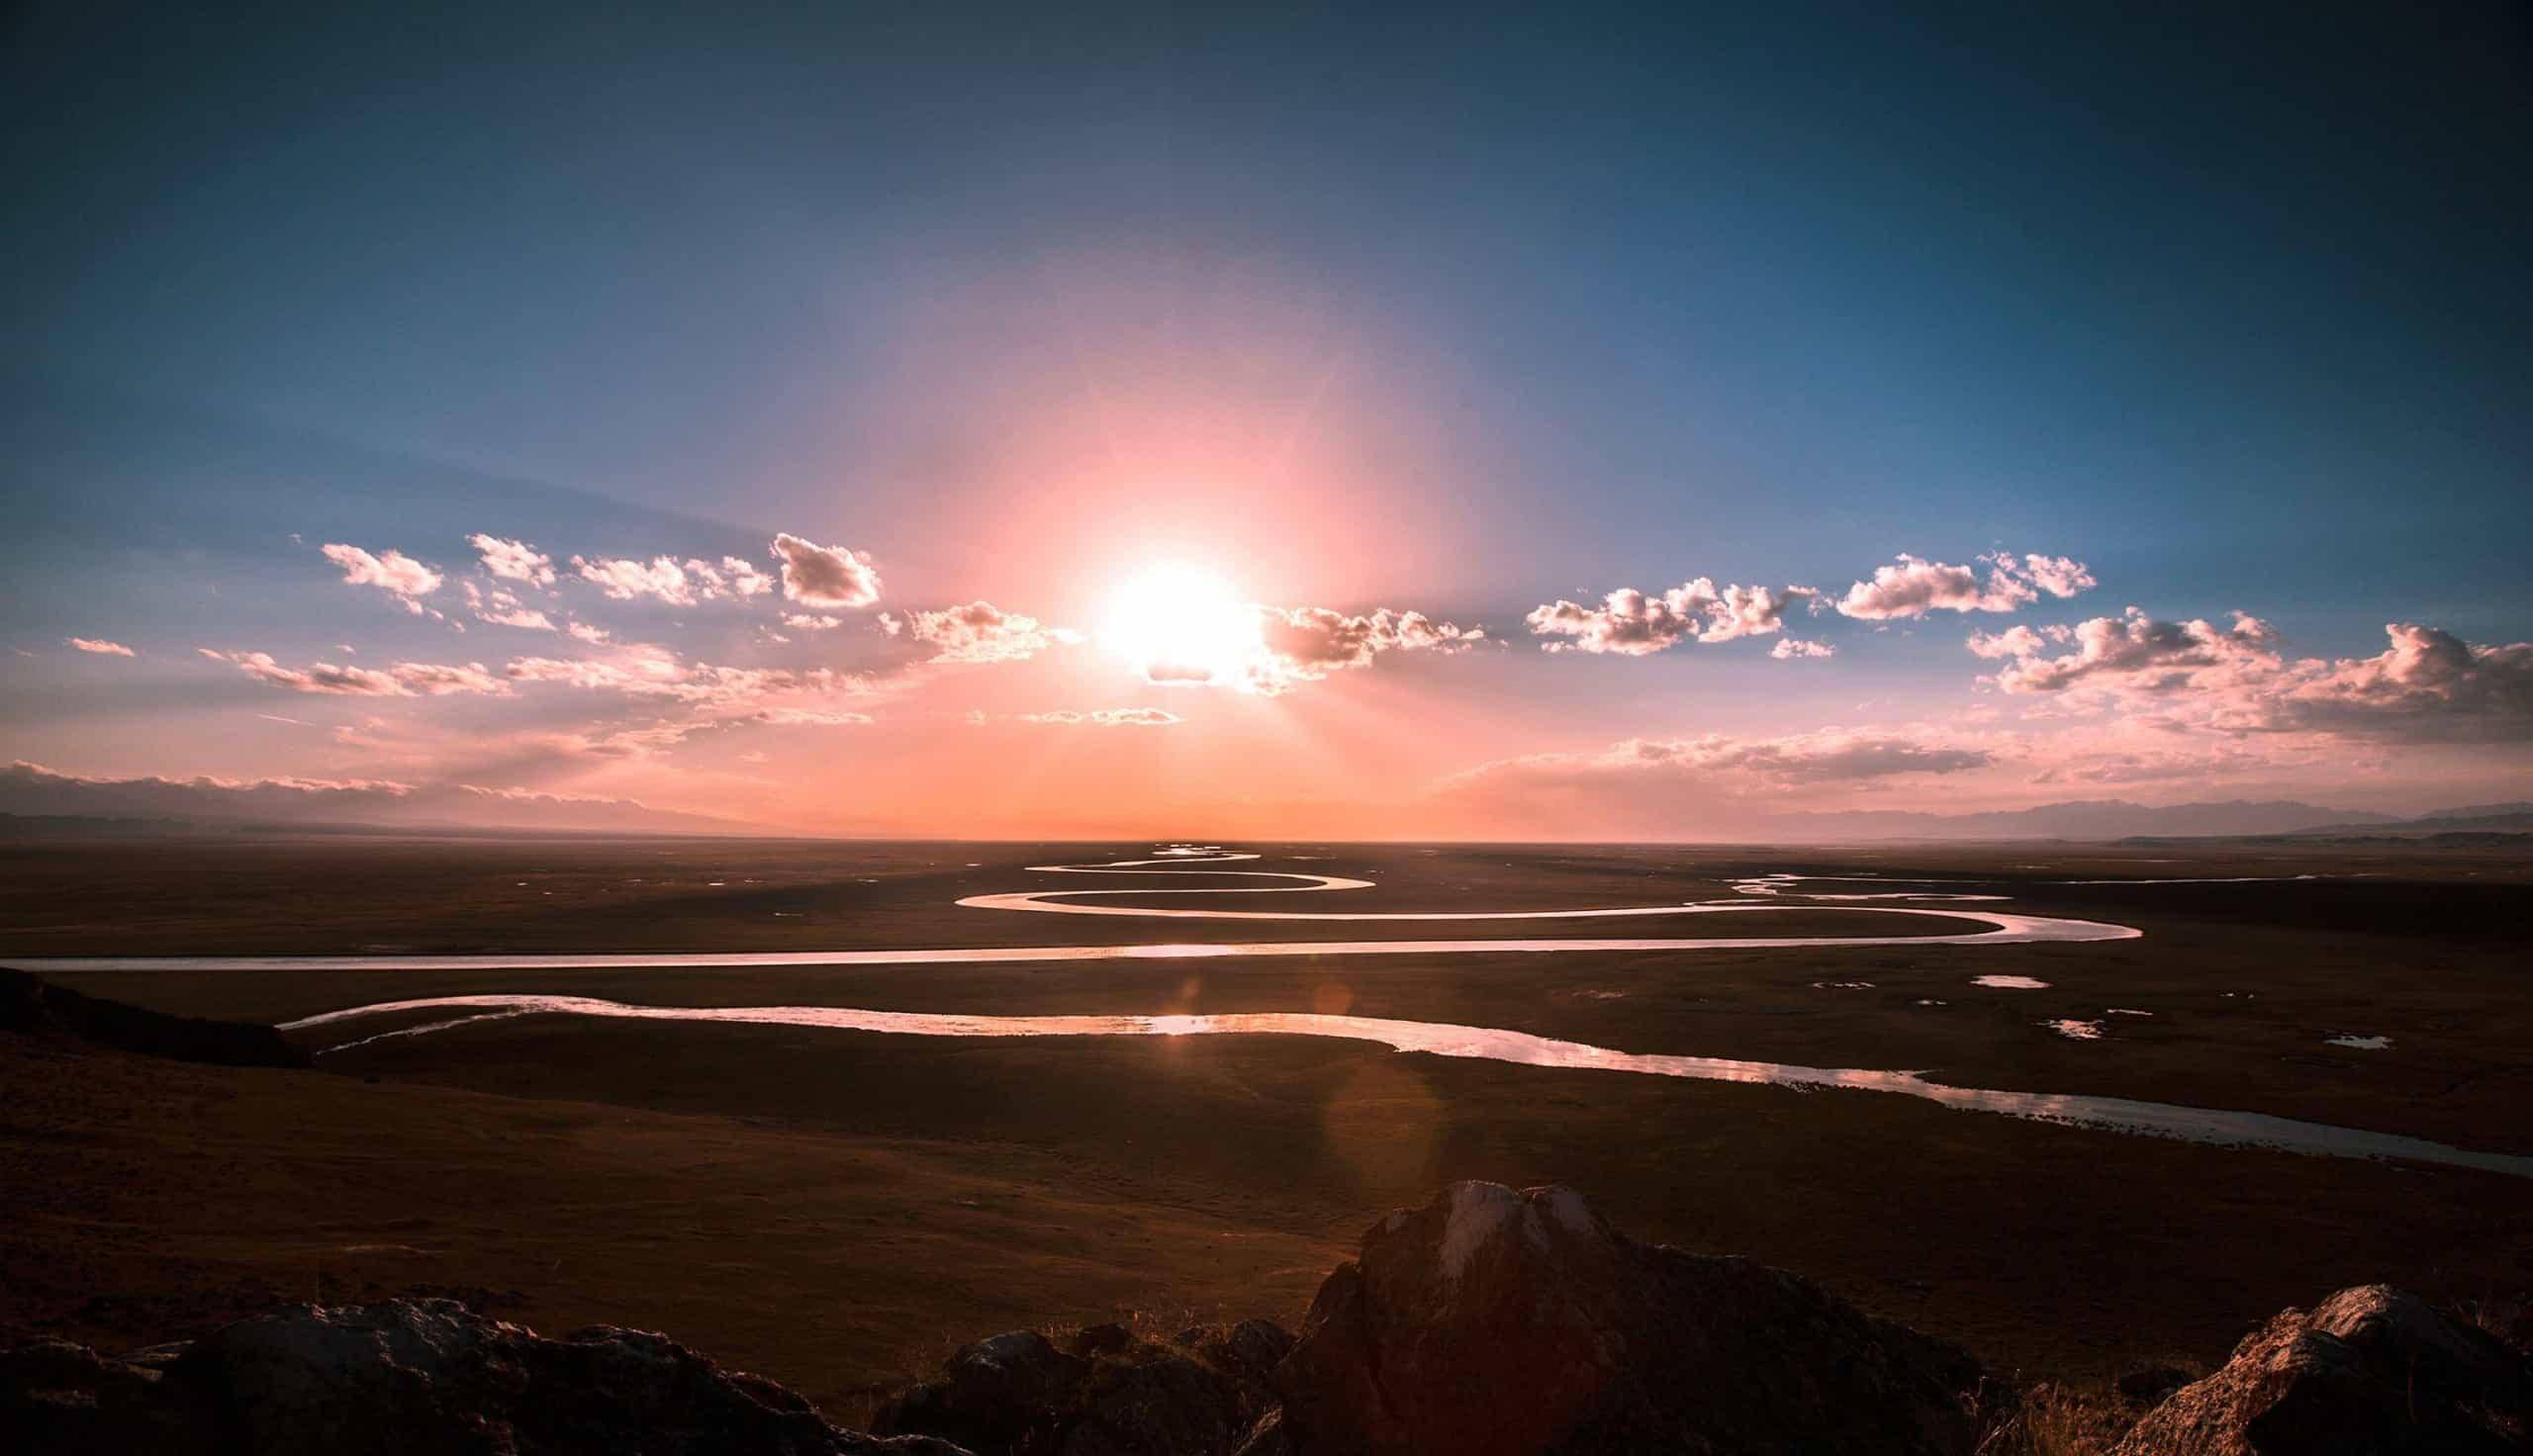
[1309,642]
[2427,684]
[514,561]
[403,679]
[1811,758]
[504,608]
[625,580]
[1633,623]
[1704,785]
[2146,653]
[978,632]
[1912,587]
[1105,717]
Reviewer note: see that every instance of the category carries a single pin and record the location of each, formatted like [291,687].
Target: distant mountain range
[36,801]
[2111,819]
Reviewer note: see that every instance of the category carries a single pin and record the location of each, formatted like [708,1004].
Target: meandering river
[1761,896]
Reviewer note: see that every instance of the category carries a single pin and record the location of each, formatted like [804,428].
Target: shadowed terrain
[714,1179]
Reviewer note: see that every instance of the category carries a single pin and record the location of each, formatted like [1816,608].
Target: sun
[1175,622]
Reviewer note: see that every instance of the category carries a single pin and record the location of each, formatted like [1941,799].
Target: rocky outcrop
[1487,1322]
[36,1007]
[1104,1392]
[1491,1322]
[2370,1369]
[412,1378]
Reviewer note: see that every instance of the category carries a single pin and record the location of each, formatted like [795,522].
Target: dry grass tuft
[2051,1420]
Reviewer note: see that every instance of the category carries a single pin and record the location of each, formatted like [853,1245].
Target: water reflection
[1769,893]
[2113,1114]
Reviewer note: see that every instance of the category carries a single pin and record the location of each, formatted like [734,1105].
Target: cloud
[514,561]
[2148,655]
[1268,650]
[744,579]
[503,609]
[100,646]
[1704,785]
[2198,766]
[1632,623]
[811,718]
[825,576]
[1912,587]
[625,580]
[2426,686]
[2059,576]
[1308,642]
[588,634]
[1105,717]
[1814,758]
[1826,757]
[676,582]
[714,693]
[2014,641]
[801,621]
[390,571]
[1790,648]
[403,679]
[979,632]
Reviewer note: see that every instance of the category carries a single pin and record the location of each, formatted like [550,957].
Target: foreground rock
[409,1378]
[1487,1322]
[2370,1369]
[1491,1322]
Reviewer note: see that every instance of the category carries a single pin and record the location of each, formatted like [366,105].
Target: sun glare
[1181,623]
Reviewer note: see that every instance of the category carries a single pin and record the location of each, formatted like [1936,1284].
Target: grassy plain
[834,1207]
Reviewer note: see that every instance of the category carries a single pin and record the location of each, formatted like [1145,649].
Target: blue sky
[1439,310]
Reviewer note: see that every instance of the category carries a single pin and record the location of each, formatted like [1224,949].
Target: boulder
[1491,1322]
[417,1378]
[2370,1369]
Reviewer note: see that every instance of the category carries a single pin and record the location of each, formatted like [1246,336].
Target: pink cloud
[979,632]
[625,580]
[1105,717]
[1632,623]
[818,576]
[100,646]
[2426,686]
[514,561]
[390,571]
[1308,642]
[1912,587]
[403,679]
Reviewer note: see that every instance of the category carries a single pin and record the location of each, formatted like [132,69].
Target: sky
[1328,421]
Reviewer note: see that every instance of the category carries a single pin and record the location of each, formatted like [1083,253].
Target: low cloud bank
[2426,686]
